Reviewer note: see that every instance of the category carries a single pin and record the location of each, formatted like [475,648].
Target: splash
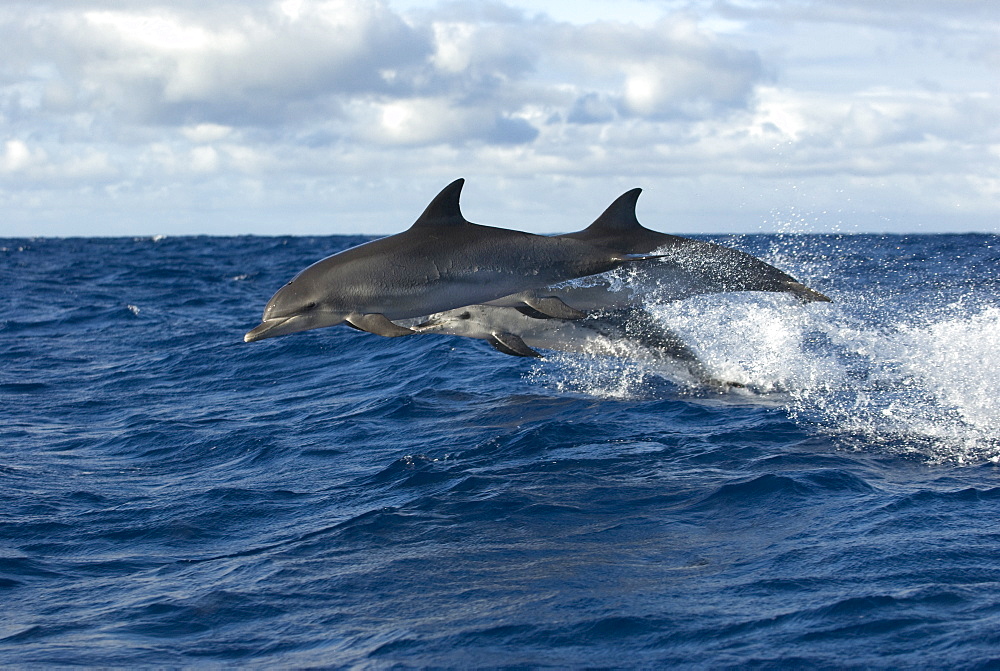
[918,374]
[625,376]
[926,384]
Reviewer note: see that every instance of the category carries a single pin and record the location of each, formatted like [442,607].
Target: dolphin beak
[272,327]
[268,328]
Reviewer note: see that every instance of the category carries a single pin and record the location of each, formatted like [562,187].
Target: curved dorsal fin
[620,215]
[444,209]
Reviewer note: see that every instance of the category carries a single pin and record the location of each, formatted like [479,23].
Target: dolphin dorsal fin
[444,209]
[620,215]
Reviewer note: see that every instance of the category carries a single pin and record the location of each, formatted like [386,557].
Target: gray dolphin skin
[626,334]
[441,262]
[685,267]
[512,331]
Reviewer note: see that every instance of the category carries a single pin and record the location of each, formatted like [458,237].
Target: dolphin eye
[309,306]
[465,315]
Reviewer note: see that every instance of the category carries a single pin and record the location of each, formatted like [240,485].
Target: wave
[914,372]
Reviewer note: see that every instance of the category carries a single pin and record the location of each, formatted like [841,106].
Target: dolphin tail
[805,294]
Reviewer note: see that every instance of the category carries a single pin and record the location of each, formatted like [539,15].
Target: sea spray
[914,370]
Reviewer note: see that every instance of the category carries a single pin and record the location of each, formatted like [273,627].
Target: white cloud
[204,159]
[206,132]
[162,65]
[423,121]
[295,103]
[672,68]
[18,157]
[25,164]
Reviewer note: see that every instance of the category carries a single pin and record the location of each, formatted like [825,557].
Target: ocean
[171,496]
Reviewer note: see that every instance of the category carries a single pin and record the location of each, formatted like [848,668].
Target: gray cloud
[673,69]
[170,67]
[267,64]
[592,108]
[289,101]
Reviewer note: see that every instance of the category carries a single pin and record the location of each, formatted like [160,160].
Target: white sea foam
[923,382]
[927,384]
[600,376]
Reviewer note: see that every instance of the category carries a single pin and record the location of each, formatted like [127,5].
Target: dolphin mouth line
[261,331]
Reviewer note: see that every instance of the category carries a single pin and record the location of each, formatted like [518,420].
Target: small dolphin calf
[516,331]
[631,334]
[684,267]
[441,262]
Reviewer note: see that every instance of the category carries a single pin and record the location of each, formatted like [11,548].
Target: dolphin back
[702,267]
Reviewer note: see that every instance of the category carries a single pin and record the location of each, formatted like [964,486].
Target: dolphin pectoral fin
[508,343]
[378,324]
[528,311]
[553,307]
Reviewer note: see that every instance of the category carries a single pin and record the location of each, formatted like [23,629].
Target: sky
[177,117]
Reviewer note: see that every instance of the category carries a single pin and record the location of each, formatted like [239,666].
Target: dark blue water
[172,496]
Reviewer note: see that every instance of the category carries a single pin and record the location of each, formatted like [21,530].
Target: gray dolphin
[631,334]
[517,331]
[685,267]
[441,262]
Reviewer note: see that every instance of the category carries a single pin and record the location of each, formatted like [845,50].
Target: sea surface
[171,496]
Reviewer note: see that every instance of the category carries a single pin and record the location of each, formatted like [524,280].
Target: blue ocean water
[172,496]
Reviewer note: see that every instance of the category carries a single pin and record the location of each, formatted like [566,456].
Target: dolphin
[683,267]
[441,262]
[629,334]
[517,331]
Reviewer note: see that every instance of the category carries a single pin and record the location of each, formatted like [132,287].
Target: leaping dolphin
[441,262]
[685,267]
[517,331]
[629,334]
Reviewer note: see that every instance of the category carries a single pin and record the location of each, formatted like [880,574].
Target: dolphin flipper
[508,343]
[551,306]
[378,324]
[532,312]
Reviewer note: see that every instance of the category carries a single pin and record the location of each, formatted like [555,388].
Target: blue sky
[325,117]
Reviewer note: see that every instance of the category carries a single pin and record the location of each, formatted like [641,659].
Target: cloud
[423,121]
[26,164]
[291,101]
[908,13]
[255,67]
[671,69]
[294,60]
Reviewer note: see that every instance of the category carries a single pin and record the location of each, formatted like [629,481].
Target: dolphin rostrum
[685,267]
[441,262]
